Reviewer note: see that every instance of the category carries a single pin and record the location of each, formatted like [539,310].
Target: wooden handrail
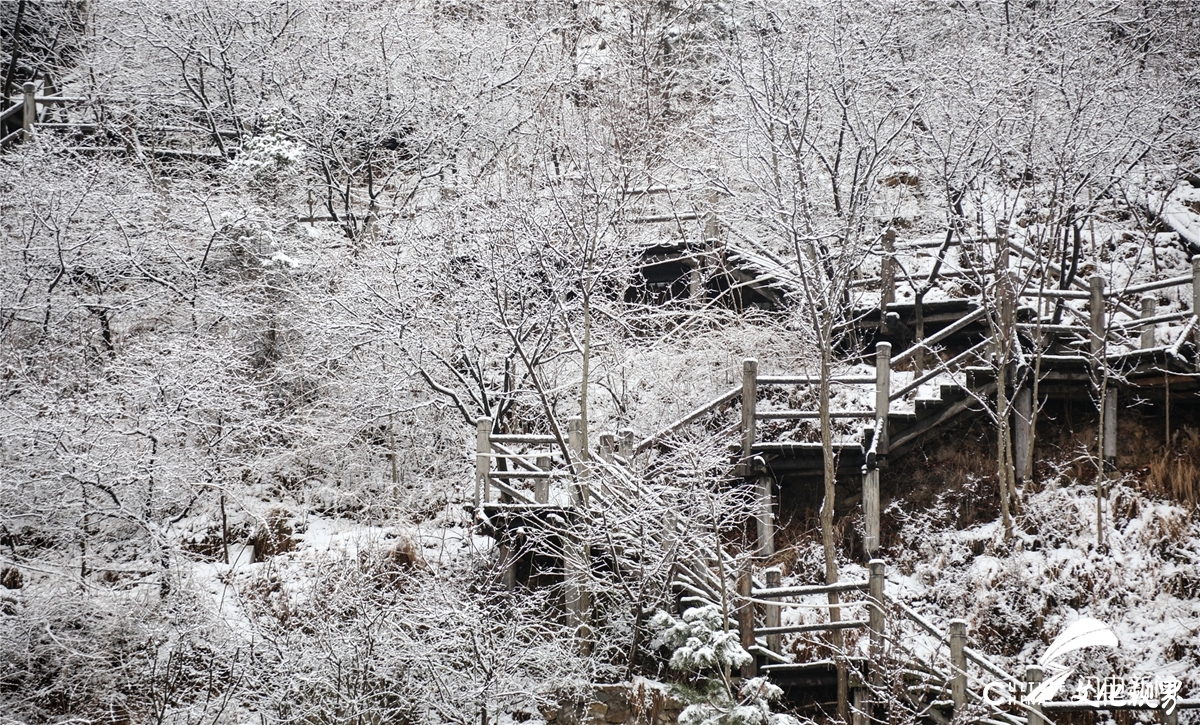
[815,379]
[522,438]
[929,627]
[13,110]
[1160,284]
[947,367]
[941,335]
[1143,321]
[646,443]
[837,588]
[810,414]
[819,627]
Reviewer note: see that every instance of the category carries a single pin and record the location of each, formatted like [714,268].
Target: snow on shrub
[705,650]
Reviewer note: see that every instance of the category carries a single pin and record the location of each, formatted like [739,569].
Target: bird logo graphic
[1086,632]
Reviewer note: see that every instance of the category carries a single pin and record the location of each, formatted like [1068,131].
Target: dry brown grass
[1175,472]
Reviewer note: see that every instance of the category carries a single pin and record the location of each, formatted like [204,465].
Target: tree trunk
[827,542]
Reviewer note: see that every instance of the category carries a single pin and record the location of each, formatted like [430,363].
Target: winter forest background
[237,449]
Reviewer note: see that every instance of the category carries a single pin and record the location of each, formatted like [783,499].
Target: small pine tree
[706,652]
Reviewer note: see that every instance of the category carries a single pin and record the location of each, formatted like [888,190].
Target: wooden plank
[782,592]
[511,438]
[51,100]
[822,627]
[810,414]
[18,107]
[512,492]
[946,332]
[1066,294]
[948,367]
[496,475]
[1157,285]
[813,379]
[1143,321]
[687,216]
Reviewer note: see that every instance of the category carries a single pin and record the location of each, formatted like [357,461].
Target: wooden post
[870,492]
[887,273]
[508,568]
[1022,427]
[1096,310]
[578,466]
[766,516]
[670,522]
[1109,425]
[30,109]
[1149,305]
[1034,676]
[958,663]
[625,444]
[883,391]
[695,281]
[1196,293]
[575,572]
[875,617]
[1171,718]
[858,711]
[745,617]
[608,446]
[772,616]
[483,460]
[1196,285]
[541,486]
[749,406]
[870,483]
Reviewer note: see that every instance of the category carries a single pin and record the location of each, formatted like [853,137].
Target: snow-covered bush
[705,651]
[267,157]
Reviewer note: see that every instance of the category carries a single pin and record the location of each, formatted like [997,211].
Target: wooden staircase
[767,426]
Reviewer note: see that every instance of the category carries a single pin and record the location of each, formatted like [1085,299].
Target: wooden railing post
[772,617]
[1109,426]
[870,484]
[483,460]
[870,480]
[30,109]
[508,562]
[887,273]
[1096,311]
[670,522]
[625,443]
[1196,285]
[578,466]
[541,486]
[958,663]
[749,405]
[1149,308]
[883,391]
[745,617]
[608,446]
[1034,675]
[1023,425]
[875,617]
[766,516]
